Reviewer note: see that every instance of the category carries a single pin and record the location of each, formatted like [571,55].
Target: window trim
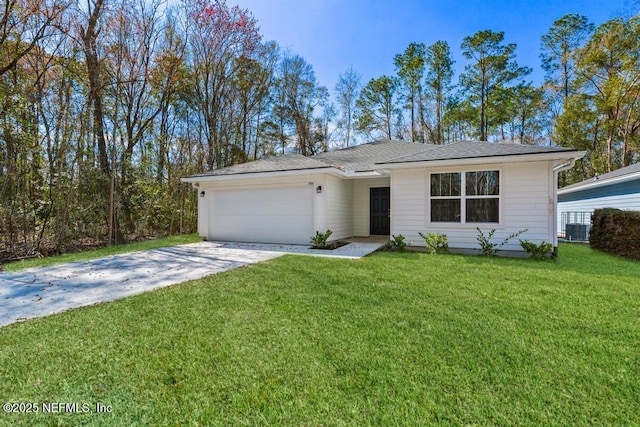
[463,196]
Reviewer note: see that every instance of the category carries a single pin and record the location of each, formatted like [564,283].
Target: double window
[465,197]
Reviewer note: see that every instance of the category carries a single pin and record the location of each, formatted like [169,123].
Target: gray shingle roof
[287,162]
[361,158]
[473,149]
[602,179]
[364,157]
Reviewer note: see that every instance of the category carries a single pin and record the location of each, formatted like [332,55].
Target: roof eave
[257,175]
[600,183]
[510,158]
[364,174]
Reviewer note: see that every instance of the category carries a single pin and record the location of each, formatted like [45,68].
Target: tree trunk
[439,139]
[483,108]
[95,90]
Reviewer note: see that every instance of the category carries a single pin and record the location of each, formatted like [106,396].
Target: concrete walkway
[40,292]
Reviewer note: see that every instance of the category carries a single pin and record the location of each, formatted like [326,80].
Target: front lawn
[393,339]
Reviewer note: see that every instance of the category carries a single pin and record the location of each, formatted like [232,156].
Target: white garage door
[269,215]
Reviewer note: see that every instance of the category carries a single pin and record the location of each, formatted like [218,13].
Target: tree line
[106,104]
[589,99]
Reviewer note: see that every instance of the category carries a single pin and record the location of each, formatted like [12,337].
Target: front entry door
[380,207]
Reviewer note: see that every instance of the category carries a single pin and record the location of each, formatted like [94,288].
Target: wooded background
[105,105]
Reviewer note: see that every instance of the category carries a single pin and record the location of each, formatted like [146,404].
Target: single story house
[387,188]
[618,189]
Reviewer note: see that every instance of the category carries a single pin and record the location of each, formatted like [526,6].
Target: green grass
[102,252]
[393,339]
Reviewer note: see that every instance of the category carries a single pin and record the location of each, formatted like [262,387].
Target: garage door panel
[274,215]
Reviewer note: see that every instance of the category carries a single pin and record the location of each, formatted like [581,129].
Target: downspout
[556,170]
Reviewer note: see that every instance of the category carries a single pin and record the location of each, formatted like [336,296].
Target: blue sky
[332,35]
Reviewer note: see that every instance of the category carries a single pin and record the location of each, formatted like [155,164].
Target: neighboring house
[618,189]
[387,188]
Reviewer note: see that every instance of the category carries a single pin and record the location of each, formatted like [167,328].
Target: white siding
[361,206]
[337,195]
[204,198]
[525,203]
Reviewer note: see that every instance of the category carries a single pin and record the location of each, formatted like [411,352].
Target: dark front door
[380,210]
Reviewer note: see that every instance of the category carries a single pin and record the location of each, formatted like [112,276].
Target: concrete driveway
[43,291]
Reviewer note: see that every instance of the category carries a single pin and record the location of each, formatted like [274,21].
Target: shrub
[489,248]
[398,243]
[616,231]
[320,239]
[537,251]
[436,243]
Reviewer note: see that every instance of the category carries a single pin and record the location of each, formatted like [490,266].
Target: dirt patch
[45,247]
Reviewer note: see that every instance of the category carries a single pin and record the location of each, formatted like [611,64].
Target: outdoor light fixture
[319,189]
[202,193]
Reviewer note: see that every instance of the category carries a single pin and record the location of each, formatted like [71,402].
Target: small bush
[436,243]
[537,251]
[320,239]
[489,248]
[398,243]
[616,231]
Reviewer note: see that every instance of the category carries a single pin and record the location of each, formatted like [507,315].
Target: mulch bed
[331,246]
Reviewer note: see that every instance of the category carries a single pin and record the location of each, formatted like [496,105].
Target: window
[445,197]
[470,197]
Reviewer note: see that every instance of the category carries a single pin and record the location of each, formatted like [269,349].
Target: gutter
[330,170]
[253,175]
[565,166]
[512,158]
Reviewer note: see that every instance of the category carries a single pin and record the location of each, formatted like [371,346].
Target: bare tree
[347,91]
[302,95]
[218,35]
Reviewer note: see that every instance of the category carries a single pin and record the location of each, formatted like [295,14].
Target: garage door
[268,215]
